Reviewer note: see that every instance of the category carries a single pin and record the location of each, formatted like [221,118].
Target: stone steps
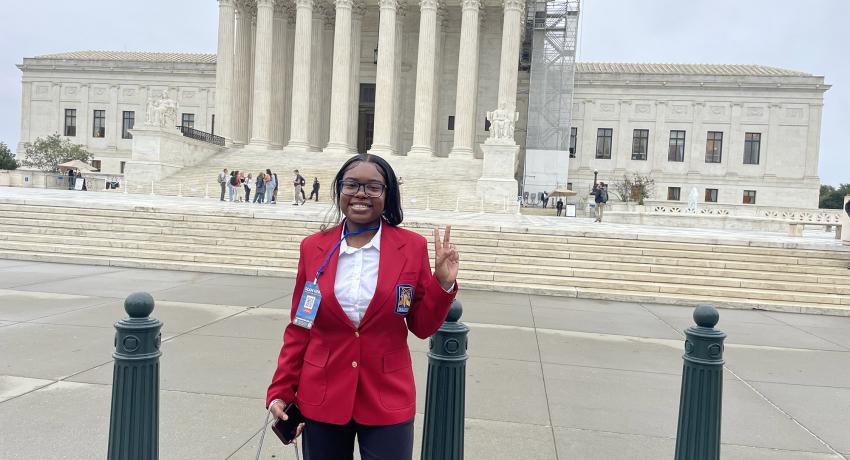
[539,261]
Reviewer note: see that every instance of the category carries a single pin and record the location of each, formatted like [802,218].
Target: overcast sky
[807,36]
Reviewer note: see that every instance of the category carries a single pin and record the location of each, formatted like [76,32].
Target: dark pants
[222,191]
[314,192]
[247,194]
[260,195]
[559,211]
[323,441]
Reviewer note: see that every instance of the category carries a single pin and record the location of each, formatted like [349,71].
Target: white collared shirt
[357,277]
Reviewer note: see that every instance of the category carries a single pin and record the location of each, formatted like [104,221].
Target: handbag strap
[263,437]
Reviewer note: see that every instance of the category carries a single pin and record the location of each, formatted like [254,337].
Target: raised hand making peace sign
[446,259]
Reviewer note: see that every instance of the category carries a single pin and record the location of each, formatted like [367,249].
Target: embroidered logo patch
[403,298]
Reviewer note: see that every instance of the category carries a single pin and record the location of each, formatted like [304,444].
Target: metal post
[152,188]
[442,438]
[134,419]
[698,436]
[457,205]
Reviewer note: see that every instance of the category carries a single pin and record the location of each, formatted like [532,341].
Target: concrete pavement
[547,378]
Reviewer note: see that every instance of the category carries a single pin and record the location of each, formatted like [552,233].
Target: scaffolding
[554,28]
[549,52]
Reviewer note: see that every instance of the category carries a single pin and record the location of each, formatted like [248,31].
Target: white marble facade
[290,87]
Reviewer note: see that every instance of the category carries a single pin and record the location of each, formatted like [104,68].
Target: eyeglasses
[351,187]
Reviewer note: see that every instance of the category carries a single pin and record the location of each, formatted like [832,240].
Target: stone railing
[826,216]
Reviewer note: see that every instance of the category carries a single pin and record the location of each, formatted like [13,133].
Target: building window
[569,185]
[749,197]
[99,125]
[95,164]
[188,121]
[640,144]
[212,125]
[711,195]
[128,121]
[714,147]
[752,146]
[123,163]
[573,137]
[677,146]
[71,122]
[451,126]
[603,143]
[673,193]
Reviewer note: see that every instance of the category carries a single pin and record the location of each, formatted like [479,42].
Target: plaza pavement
[547,377]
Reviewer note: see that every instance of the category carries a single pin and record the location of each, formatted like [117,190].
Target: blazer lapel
[390,265]
[328,278]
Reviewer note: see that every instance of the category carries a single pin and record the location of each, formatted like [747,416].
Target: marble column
[695,159]
[661,150]
[60,111]
[423,130]
[341,82]
[299,129]
[224,68]
[437,125]
[278,78]
[316,72]
[289,43]
[358,12]
[512,23]
[385,79]
[253,69]
[84,119]
[770,164]
[398,116]
[262,102]
[26,115]
[327,77]
[467,81]
[241,78]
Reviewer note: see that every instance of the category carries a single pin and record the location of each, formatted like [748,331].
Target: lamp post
[595,173]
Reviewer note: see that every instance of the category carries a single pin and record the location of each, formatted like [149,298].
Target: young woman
[368,282]
[260,190]
[271,184]
[248,183]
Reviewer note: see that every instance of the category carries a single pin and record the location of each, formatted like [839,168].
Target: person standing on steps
[248,183]
[222,181]
[271,183]
[559,206]
[260,189]
[601,197]
[362,284]
[545,200]
[297,191]
[315,189]
[274,191]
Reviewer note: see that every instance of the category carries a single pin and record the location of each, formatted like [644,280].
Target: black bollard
[698,436]
[134,419]
[444,399]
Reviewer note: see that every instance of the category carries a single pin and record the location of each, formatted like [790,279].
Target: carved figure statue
[502,124]
[162,112]
[692,200]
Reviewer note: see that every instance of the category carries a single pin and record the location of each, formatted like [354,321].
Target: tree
[7,160]
[47,153]
[635,188]
[833,198]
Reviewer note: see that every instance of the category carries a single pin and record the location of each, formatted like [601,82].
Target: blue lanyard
[345,234]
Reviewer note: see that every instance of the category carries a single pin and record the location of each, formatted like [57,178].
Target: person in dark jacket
[315,189]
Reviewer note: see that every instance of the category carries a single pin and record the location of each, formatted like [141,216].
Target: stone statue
[502,125]
[161,113]
[692,200]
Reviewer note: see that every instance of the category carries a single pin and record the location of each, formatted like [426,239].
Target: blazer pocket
[397,390]
[314,376]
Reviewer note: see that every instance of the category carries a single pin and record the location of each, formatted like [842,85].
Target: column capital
[265,3]
[304,4]
[471,5]
[358,10]
[388,4]
[226,3]
[347,4]
[513,5]
[428,5]
[774,105]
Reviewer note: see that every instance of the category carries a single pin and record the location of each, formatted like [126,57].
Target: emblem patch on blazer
[403,298]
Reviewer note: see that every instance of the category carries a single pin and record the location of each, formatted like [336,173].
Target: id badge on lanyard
[308,307]
[311,296]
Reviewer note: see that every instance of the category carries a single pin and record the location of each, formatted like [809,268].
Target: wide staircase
[529,261]
[428,183]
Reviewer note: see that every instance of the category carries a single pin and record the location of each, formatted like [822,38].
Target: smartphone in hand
[286,429]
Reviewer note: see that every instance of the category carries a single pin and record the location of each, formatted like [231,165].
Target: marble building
[417,79]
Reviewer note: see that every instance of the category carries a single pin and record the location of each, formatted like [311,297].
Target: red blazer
[336,371]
